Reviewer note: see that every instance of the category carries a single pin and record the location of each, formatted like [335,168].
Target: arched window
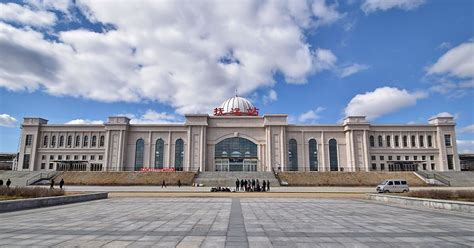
[293,155]
[389,141]
[380,140]
[422,141]
[430,141]
[413,141]
[139,154]
[159,153]
[333,163]
[85,142]
[69,141]
[101,141]
[61,141]
[45,141]
[94,141]
[78,141]
[53,141]
[372,141]
[405,141]
[178,155]
[313,155]
[397,142]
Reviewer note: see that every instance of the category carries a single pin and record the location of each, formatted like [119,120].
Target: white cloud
[445,45]
[311,115]
[369,6]
[465,146]
[457,62]
[352,69]
[84,121]
[468,129]
[12,12]
[153,117]
[189,56]
[381,101]
[7,120]
[271,96]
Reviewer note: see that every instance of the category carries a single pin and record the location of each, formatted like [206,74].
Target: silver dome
[235,102]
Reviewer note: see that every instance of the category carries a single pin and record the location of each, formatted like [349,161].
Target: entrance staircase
[227,179]
[451,178]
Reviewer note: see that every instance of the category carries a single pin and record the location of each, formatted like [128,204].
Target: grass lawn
[453,195]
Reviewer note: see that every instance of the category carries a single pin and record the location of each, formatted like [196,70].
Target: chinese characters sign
[236,112]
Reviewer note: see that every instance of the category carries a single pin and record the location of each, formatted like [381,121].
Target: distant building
[237,138]
[467,162]
[6,160]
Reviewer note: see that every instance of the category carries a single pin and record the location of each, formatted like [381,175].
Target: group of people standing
[252,185]
[8,183]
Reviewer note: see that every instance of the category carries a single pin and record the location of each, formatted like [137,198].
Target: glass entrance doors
[236,154]
[236,164]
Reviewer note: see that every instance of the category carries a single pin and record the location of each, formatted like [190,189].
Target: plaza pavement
[235,222]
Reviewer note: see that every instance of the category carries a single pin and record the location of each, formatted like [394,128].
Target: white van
[393,186]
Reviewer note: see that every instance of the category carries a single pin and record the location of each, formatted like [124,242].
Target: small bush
[455,195]
[30,192]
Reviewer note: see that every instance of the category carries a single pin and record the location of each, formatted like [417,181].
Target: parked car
[393,186]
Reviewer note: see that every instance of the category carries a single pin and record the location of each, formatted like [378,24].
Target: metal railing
[434,176]
[40,176]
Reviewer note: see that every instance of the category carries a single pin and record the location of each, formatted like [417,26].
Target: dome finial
[236,92]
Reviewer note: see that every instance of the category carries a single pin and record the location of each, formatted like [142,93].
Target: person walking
[237,183]
[9,183]
[268,185]
[241,184]
[163,184]
[179,183]
[51,186]
[61,183]
[264,185]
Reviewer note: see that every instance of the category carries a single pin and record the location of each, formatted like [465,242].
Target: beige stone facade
[354,145]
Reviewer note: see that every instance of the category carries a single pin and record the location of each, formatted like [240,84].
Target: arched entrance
[236,154]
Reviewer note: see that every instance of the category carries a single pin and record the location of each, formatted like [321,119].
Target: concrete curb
[16,205]
[466,207]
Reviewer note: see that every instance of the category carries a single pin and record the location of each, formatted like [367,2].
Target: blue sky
[394,61]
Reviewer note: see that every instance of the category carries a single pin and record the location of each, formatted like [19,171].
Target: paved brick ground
[234,222]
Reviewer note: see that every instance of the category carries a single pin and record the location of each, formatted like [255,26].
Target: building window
[413,141]
[60,157]
[94,141]
[431,157]
[373,158]
[380,140]
[422,141]
[101,157]
[159,153]
[178,155]
[139,154]
[43,166]
[397,143]
[78,141]
[407,158]
[45,141]
[101,141]
[389,140]
[447,139]
[398,158]
[382,158]
[405,142]
[313,155]
[424,166]
[29,140]
[389,158]
[61,141]
[69,141]
[374,167]
[430,141]
[432,166]
[51,166]
[293,155]
[76,157]
[68,157]
[43,157]
[84,157]
[423,158]
[333,163]
[382,166]
[415,157]
[26,161]
[53,141]
[51,157]
[85,142]
[450,162]
[92,157]
[372,141]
